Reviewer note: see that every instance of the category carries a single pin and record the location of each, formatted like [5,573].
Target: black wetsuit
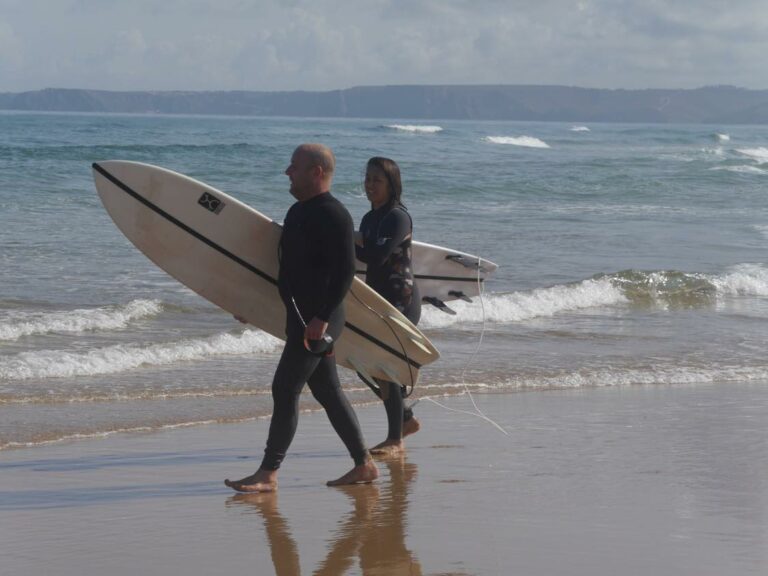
[386,250]
[316,270]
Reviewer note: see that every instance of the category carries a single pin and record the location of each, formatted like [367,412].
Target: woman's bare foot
[389,448]
[362,474]
[261,481]
[411,427]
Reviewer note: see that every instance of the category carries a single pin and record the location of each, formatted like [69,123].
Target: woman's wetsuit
[386,234]
[317,266]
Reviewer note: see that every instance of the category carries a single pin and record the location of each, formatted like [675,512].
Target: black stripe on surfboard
[442,278]
[447,278]
[128,190]
[155,208]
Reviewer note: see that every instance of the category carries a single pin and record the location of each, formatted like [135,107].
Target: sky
[335,44]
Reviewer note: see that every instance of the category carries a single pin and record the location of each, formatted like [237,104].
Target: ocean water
[629,255]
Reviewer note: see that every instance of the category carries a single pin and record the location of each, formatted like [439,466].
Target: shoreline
[662,480]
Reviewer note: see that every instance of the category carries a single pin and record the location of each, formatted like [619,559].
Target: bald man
[317,266]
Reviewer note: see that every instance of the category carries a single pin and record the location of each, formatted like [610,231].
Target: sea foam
[120,358]
[760,155]
[519,306]
[579,129]
[659,375]
[746,169]
[743,280]
[23,323]
[524,141]
[414,128]
[662,289]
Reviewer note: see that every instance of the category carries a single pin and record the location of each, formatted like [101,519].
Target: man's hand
[315,329]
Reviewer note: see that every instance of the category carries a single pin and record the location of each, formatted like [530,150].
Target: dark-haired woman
[384,244]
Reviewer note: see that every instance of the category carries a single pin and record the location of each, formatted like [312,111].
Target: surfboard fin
[439,304]
[391,375]
[367,378]
[473,263]
[460,295]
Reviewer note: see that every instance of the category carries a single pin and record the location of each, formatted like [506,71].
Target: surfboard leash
[477,413]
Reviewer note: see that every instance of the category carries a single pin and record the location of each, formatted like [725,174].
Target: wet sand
[616,481]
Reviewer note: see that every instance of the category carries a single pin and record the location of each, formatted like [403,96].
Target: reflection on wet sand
[373,532]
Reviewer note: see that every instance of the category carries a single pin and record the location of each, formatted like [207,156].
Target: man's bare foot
[411,427]
[363,474]
[261,481]
[389,448]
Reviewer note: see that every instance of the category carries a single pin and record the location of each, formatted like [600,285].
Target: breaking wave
[121,358]
[659,375]
[19,324]
[519,306]
[524,141]
[760,155]
[746,169]
[743,280]
[414,128]
[665,289]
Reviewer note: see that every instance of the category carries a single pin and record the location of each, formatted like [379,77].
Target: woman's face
[376,186]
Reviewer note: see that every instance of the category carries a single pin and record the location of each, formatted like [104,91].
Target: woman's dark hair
[392,172]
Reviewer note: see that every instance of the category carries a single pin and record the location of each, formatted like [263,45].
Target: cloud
[328,44]
[11,55]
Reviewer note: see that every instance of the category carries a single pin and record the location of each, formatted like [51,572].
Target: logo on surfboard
[211,203]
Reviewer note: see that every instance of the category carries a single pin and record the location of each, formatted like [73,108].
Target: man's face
[301,173]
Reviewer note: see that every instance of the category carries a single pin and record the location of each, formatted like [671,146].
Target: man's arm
[338,246]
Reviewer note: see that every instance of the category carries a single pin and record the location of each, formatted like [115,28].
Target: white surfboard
[227,252]
[443,274]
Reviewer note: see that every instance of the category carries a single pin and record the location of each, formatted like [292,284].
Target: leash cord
[477,412]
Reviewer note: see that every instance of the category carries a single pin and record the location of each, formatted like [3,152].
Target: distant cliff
[717,105]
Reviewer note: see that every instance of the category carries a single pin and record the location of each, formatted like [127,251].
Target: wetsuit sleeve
[394,229]
[338,243]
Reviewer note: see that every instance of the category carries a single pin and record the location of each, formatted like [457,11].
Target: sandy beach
[632,481]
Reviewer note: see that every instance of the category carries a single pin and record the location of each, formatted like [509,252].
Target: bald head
[311,170]
[319,155]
